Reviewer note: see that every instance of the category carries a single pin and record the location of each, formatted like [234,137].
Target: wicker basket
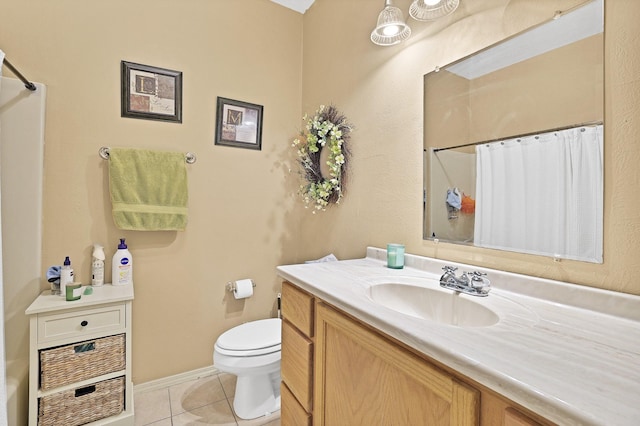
[82,405]
[70,364]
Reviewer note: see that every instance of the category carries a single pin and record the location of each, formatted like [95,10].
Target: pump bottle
[122,267]
[66,276]
[97,266]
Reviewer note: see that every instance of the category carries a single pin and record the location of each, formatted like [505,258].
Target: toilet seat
[253,338]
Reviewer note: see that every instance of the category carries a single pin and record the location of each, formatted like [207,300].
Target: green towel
[148,189]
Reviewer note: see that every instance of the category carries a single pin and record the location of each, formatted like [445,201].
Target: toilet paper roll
[244,289]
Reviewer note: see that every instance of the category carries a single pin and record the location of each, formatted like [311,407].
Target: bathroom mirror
[541,81]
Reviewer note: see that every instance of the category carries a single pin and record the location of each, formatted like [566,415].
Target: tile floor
[205,401]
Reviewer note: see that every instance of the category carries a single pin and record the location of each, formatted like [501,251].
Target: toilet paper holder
[231,286]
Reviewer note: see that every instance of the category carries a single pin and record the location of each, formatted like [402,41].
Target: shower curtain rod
[557,129]
[29,85]
[189,157]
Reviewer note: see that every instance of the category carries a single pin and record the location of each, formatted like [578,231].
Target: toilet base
[257,396]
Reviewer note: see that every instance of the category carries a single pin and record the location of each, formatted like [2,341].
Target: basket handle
[85,347]
[85,391]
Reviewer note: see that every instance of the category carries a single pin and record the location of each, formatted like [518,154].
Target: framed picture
[238,124]
[151,93]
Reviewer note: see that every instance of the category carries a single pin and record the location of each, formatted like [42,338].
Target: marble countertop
[570,353]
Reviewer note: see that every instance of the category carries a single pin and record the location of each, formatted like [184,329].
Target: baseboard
[175,380]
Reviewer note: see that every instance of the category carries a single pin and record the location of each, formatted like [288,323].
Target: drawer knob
[84,323]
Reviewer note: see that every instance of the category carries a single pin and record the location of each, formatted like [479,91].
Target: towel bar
[189,157]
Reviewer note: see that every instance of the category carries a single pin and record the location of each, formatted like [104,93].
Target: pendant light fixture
[392,28]
[429,10]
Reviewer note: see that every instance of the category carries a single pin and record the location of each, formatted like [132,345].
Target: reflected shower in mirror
[542,84]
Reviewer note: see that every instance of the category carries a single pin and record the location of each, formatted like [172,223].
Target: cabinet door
[364,378]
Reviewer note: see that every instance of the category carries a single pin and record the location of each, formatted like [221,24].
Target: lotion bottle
[122,268]
[66,276]
[97,266]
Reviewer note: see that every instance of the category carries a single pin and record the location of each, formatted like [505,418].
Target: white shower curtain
[3,380]
[542,194]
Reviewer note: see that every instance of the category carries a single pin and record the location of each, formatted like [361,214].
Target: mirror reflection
[513,142]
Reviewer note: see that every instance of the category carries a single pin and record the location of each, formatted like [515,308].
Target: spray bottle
[122,268]
[97,266]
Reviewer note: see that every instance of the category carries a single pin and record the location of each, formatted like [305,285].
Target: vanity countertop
[567,352]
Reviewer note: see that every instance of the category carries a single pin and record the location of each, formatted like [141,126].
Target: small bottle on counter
[122,268]
[66,276]
[97,266]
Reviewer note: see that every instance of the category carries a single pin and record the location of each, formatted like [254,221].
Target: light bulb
[391,30]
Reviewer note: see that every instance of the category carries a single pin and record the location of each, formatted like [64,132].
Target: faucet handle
[479,282]
[450,269]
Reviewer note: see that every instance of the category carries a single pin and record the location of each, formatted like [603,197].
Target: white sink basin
[442,306]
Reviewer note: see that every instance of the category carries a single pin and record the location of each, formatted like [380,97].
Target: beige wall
[244,216]
[380,90]
[240,201]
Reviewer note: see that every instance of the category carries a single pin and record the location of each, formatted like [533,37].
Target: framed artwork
[151,93]
[238,124]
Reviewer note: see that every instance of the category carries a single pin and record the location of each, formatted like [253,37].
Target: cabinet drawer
[296,366]
[292,413]
[297,308]
[68,364]
[81,323]
[82,405]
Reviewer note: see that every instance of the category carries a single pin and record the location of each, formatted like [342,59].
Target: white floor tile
[151,407]
[205,401]
[218,413]
[195,394]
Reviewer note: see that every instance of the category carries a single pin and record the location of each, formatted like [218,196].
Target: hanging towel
[453,198]
[468,204]
[148,189]
[453,203]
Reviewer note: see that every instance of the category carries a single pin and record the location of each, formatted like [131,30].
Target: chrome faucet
[473,283]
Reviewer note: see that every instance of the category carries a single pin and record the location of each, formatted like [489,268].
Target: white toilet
[251,351]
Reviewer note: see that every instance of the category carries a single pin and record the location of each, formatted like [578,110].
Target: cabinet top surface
[46,302]
[568,352]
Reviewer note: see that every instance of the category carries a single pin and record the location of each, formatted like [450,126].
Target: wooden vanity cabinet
[513,417]
[338,371]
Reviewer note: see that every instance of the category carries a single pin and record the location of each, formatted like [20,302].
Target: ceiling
[297,5]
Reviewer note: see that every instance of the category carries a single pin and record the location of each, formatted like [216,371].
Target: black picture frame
[238,124]
[151,93]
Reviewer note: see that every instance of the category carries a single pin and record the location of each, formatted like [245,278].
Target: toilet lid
[252,335]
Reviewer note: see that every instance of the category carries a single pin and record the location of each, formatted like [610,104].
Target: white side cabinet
[80,358]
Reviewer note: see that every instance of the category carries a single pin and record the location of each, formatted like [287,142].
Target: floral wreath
[327,129]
